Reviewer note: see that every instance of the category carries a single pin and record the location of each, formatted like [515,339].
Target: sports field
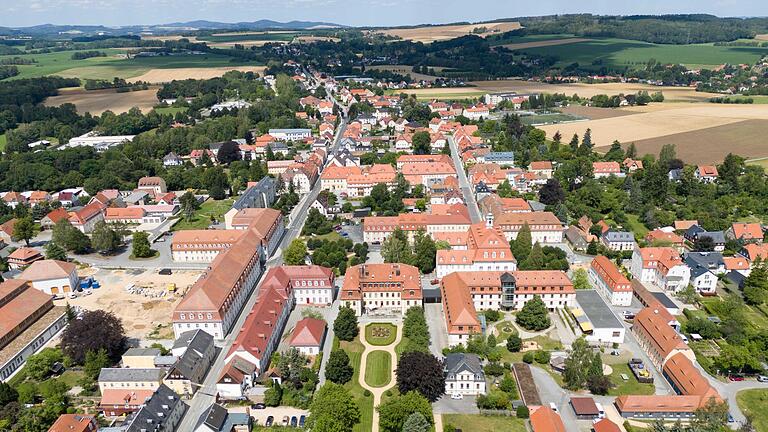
[622,52]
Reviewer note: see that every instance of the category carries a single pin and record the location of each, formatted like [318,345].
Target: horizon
[362,13]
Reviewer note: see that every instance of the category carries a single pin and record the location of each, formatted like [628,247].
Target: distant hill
[53,29]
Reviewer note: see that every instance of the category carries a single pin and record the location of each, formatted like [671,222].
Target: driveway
[438,334]
[446,405]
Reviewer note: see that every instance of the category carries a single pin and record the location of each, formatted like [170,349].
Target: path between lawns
[378,391]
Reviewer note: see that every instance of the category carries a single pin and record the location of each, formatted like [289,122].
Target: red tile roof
[74,423]
[606,425]
[610,274]
[308,332]
[747,231]
[543,419]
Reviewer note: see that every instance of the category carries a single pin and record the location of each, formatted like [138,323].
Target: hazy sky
[349,12]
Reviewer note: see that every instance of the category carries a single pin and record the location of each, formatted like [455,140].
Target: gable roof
[47,269]
[308,332]
[459,362]
[543,419]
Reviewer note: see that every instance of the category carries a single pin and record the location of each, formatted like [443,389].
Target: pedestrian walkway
[378,391]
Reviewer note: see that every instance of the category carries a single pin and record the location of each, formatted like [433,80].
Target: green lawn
[630,386]
[505,329]
[380,334]
[482,423]
[354,350]
[202,217]
[754,403]
[637,227]
[2,142]
[378,368]
[622,52]
[404,341]
[170,110]
[61,63]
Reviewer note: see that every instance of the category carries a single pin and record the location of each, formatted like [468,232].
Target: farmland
[543,43]
[698,130]
[429,34]
[622,52]
[117,65]
[98,101]
[403,70]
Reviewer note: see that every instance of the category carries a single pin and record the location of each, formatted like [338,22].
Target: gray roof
[499,156]
[262,195]
[599,314]
[155,413]
[219,419]
[195,339]
[130,374]
[142,352]
[703,262]
[459,362]
[664,300]
[287,131]
[574,236]
[537,206]
[618,236]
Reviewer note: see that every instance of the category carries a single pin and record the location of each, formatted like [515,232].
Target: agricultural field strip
[543,43]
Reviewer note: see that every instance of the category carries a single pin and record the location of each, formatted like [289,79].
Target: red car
[434,281]
[736,378]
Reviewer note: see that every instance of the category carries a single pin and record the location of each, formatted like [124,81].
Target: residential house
[51,276]
[618,240]
[195,352]
[23,257]
[661,266]
[75,423]
[218,419]
[154,185]
[86,218]
[659,237]
[746,232]
[259,195]
[543,419]
[632,165]
[696,232]
[705,268]
[162,412]
[606,169]
[172,159]
[545,226]
[310,284]
[576,238]
[308,336]
[140,358]
[463,374]
[54,216]
[13,199]
[500,158]
[290,134]
[542,168]
[610,281]
[706,173]
[381,289]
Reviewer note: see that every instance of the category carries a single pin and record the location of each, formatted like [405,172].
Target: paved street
[466,188]
[205,396]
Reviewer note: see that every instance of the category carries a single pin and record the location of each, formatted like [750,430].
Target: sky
[17,13]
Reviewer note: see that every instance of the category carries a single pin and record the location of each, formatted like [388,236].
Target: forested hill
[663,29]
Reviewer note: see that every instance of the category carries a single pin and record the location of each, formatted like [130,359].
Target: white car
[458,396]
[600,410]
[553,406]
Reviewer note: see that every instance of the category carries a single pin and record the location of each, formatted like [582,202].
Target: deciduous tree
[345,325]
[141,247]
[296,253]
[422,372]
[333,410]
[338,369]
[24,229]
[95,330]
[394,412]
[534,315]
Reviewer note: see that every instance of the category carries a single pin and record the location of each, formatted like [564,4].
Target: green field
[754,403]
[354,350]
[630,386]
[483,423]
[2,142]
[170,110]
[529,38]
[202,217]
[622,52]
[378,368]
[61,63]
[385,333]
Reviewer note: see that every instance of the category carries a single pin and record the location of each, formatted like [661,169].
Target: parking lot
[260,416]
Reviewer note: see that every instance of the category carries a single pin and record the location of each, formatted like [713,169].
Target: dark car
[165,271]
[294,421]
[269,421]
[258,406]
[302,419]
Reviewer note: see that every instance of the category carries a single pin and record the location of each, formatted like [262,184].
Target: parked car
[762,378]
[258,406]
[165,271]
[344,234]
[553,406]
[294,421]
[600,410]
[457,396]
[302,419]
[736,377]
[269,421]
[434,281]
[615,352]
[286,419]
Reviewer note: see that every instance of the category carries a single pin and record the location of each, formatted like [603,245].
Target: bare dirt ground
[593,113]
[545,43]
[310,39]
[98,101]
[711,145]
[256,43]
[157,76]
[763,37]
[437,33]
[403,70]
[252,33]
[140,313]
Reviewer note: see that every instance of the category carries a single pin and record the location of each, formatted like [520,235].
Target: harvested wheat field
[98,101]
[248,43]
[142,309]
[429,34]
[158,76]
[544,43]
[711,145]
[170,38]
[762,37]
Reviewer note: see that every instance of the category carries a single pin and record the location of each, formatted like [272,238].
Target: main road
[466,187]
[206,394]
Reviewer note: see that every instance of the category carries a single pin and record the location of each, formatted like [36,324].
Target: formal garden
[380,334]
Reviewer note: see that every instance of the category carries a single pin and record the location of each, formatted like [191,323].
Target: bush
[528,357]
[492,315]
[522,412]
[367,393]
[494,369]
[542,357]
[388,392]
[514,343]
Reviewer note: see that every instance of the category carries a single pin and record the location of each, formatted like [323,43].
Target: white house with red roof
[706,173]
[606,169]
[308,336]
[51,276]
[86,218]
[661,266]
[610,281]
[482,248]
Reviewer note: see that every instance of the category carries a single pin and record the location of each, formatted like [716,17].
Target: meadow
[622,52]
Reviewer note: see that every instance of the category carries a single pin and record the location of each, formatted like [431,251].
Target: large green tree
[295,253]
[338,369]
[424,252]
[534,315]
[104,239]
[24,229]
[55,252]
[522,244]
[422,372]
[141,246]
[394,412]
[421,143]
[69,237]
[345,325]
[333,409]
[94,331]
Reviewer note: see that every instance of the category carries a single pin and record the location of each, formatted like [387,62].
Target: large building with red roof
[610,281]
[465,293]
[660,266]
[545,226]
[544,419]
[655,335]
[381,289]
[481,248]
[455,218]
[308,336]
